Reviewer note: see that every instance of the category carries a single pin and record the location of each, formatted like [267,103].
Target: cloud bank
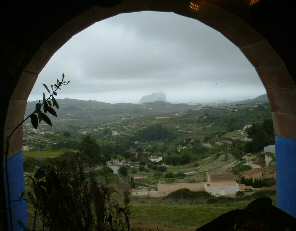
[127,56]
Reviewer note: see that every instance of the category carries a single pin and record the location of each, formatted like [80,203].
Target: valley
[213,152]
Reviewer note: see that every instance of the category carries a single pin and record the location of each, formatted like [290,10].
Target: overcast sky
[125,57]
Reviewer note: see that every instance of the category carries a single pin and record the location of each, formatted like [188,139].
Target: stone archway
[232,18]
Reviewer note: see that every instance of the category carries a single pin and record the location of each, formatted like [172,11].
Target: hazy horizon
[131,55]
[172,102]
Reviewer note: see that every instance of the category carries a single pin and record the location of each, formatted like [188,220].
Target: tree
[64,197]
[90,152]
[155,132]
[123,171]
[262,134]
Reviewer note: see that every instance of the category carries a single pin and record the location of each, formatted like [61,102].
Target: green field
[156,215]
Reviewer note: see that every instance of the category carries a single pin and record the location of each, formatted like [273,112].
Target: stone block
[282,100]
[24,86]
[262,54]
[276,77]
[284,124]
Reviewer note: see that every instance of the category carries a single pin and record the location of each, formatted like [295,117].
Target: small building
[26,148]
[139,178]
[115,133]
[221,185]
[190,173]
[155,159]
[269,149]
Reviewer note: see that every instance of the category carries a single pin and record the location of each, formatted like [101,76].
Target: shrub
[256,182]
[188,195]
[123,171]
[240,167]
[64,197]
[155,132]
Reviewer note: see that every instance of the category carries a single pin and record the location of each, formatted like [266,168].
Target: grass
[177,216]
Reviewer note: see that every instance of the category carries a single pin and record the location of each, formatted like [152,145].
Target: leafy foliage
[262,134]
[38,115]
[123,171]
[65,197]
[155,132]
[240,167]
[48,104]
[90,152]
[257,182]
[188,195]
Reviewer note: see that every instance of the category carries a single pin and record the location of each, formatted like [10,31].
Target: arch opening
[270,67]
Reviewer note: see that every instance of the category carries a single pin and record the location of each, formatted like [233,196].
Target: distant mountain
[90,111]
[261,99]
[154,97]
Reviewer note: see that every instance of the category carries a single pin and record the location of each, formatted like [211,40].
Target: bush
[178,175]
[239,194]
[155,132]
[257,183]
[64,197]
[241,167]
[31,164]
[188,195]
[123,171]
[90,152]
[262,134]
[179,159]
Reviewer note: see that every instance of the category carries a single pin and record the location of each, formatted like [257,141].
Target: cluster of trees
[257,182]
[90,152]
[66,197]
[179,158]
[192,151]
[155,132]
[262,134]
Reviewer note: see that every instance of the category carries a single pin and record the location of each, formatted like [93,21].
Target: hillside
[261,99]
[92,112]
[95,111]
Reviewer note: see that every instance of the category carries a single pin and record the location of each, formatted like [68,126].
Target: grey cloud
[137,53]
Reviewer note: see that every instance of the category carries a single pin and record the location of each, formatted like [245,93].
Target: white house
[269,149]
[155,159]
[221,185]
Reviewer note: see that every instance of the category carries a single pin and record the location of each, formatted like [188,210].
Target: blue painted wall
[16,188]
[286,174]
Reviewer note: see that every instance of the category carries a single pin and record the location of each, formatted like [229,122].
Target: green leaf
[63,77]
[54,93]
[45,107]
[55,103]
[46,87]
[45,118]
[34,120]
[38,107]
[52,111]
